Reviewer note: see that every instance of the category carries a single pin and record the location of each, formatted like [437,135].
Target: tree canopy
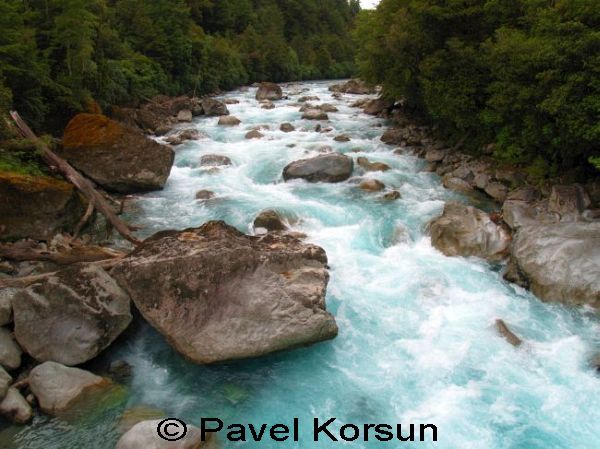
[524,74]
[58,57]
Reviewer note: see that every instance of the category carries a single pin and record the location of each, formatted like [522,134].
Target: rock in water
[144,436]
[228,120]
[214,108]
[58,387]
[269,91]
[37,207]
[117,158]
[287,127]
[314,114]
[71,316]
[269,220]
[10,352]
[467,231]
[332,167]
[15,408]
[560,261]
[220,295]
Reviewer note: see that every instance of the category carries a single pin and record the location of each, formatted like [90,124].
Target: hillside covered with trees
[524,74]
[58,57]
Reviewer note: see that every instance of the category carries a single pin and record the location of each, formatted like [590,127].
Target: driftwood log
[81,183]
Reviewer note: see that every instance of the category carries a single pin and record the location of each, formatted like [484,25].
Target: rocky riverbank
[548,231]
[217,294]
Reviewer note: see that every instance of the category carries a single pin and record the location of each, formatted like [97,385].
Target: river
[417,342]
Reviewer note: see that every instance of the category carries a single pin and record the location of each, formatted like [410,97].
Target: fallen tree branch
[69,256]
[86,217]
[81,183]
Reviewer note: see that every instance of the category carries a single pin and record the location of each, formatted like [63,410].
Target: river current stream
[416,342]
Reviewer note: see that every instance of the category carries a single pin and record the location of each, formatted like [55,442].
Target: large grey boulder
[332,167]
[269,91]
[58,388]
[559,261]
[315,114]
[568,201]
[219,295]
[71,316]
[144,435]
[116,157]
[15,408]
[466,231]
[10,352]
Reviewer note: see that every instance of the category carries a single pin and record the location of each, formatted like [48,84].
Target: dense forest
[522,73]
[58,57]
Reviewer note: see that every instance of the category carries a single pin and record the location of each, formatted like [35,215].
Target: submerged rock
[269,91]
[205,195]
[559,261]
[117,158]
[342,138]
[220,295]
[332,167]
[58,388]
[367,165]
[507,334]
[466,231]
[37,207]
[71,316]
[144,436]
[214,160]
[287,127]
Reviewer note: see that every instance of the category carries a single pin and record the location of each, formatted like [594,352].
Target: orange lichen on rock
[89,130]
[33,184]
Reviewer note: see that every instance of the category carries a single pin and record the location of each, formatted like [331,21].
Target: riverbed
[416,339]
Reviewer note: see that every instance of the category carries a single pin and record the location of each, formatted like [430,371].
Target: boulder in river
[214,108]
[214,160]
[228,120]
[269,91]
[353,87]
[558,261]
[144,436]
[221,295]
[332,167]
[15,408]
[287,127]
[367,165]
[377,106]
[116,157]
[58,388]
[342,138]
[314,114]
[254,134]
[10,352]
[37,207]
[372,185]
[185,115]
[466,231]
[269,220]
[71,316]
[205,195]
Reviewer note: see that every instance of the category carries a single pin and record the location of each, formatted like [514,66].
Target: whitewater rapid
[417,342]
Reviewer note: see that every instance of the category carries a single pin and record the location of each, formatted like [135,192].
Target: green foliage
[522,73]
[58,56]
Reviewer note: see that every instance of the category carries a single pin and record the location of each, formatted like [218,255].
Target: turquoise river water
[416,341]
